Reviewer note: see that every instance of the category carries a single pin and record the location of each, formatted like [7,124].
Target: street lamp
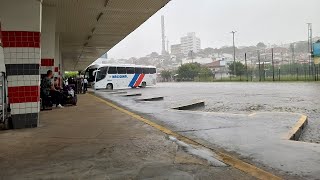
[234,54]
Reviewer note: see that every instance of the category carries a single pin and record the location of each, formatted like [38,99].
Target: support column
[48,38]
[20,34]
[57,62]
[2,65]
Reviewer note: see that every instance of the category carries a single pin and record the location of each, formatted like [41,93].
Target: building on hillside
[190,43]
[176,49]
[219,68]
[197,60]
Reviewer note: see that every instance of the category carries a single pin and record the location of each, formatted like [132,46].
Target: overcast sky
[269,21]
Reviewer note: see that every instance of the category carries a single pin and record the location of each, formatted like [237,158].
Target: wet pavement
[249,119]
[247,98]
[94,141]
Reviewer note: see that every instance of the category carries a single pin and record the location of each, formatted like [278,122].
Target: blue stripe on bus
[134,79]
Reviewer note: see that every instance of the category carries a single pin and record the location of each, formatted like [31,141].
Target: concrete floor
[95,141]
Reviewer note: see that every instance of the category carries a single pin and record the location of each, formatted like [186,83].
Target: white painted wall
[48,32]
[57,55]
[11,20]
[2,66]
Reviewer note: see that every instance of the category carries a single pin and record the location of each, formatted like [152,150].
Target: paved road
[258,137]
[249,97]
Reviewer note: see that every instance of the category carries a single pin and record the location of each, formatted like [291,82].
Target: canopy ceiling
[89,28]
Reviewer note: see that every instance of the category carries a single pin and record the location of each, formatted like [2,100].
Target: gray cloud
[270,21]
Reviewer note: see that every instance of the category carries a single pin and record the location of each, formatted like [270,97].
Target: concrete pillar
[2,65]
[57,60]
[20,36]
[48,40]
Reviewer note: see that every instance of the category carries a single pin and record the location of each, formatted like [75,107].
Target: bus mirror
[95,72]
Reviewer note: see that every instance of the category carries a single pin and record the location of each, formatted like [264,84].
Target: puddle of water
[199,152]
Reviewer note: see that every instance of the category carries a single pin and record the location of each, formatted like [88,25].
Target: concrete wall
[57,57]
[48,39]
[17,14]
[2,66]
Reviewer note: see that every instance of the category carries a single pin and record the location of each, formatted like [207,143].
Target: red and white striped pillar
[20,35]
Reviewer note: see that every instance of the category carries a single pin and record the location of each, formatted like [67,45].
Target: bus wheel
[143,85]
[109,86]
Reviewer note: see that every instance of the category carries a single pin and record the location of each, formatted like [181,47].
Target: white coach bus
[107,76]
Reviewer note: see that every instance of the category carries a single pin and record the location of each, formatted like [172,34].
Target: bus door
[112,77]
[100,78]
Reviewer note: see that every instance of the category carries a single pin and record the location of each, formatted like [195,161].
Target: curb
[120,92]
[151,99]
[130,95]
[224,157]
[296,131]
[190,106]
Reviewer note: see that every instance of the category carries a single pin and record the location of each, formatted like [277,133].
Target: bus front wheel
[109,86]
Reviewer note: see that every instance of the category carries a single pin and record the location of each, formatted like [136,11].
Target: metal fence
[274,65]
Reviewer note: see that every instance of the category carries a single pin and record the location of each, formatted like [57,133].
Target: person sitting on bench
[56,84]
[47,88]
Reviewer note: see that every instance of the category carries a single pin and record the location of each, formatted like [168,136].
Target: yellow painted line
[226,158]
[302,121]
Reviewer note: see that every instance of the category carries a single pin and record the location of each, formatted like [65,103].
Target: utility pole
[234,54]
[245,59]
[292,58]
[163,36]
[272,65]
[293,54]
[279,70]
[259,65]
[310,49]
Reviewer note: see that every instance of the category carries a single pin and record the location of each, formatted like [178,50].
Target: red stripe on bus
[138,82]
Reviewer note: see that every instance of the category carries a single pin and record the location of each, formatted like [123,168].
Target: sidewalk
[95,141]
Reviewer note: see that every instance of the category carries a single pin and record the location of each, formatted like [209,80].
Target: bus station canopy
[89,28]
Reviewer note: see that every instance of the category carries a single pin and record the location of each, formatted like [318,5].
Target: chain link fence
[275,65]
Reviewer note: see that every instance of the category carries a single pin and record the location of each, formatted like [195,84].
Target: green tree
[205,74]
[240,68]
[189,71]
[166,75]
[70,74]
[261,45]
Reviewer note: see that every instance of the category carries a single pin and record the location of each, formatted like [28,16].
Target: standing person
[81,86]
[85,85]
[47,88]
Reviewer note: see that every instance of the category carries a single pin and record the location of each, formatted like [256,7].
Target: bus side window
[130,70]
[146,71]
[121,70]
[138,70]
[152,70]
[101,74]
[112,70]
